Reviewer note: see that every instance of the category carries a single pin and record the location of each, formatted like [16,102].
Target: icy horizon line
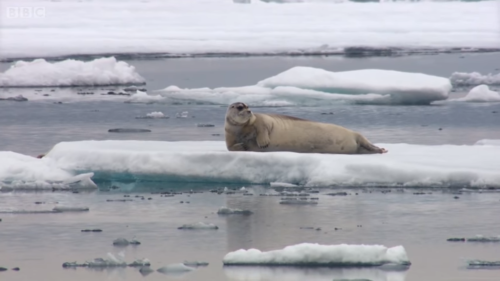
[348,52]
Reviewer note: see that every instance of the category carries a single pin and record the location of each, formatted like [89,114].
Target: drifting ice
[314,86]
[308,254]
[99,72]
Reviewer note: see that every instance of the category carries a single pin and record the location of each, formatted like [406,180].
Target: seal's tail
[365,147]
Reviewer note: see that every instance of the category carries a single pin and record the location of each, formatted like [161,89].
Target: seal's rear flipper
[365,147]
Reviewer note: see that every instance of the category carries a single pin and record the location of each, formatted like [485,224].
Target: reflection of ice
[310,274]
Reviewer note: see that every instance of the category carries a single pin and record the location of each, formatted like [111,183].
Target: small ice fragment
[70,209]
[183,114]
[204,125]
[128,130]
[195,263]
[229,211]
[199,225]
[175,268]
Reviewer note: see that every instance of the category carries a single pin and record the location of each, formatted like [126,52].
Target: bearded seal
[247,131]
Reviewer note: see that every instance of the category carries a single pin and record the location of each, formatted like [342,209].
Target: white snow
[22,171]
[405,164]
[143,97]
[221,26]
[70,72]
[488,142]
[265,273]
[474,78]
[481,93]
[154,115]
[307,86]
[316,254]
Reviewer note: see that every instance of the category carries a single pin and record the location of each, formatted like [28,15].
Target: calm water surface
[40,243]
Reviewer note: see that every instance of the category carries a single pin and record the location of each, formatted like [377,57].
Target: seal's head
[238,113]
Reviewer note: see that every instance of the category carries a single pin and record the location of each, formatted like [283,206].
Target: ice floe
[313,86]
[91,27]
[309,254]
[488,142]
[26,172]
[70,72]
[474,78]
[209,161]
[229,211]
[80,164]
[481,93]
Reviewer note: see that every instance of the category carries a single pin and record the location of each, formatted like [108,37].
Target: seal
[248,131]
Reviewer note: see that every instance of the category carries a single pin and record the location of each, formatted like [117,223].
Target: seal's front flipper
[238,147]
[263,140]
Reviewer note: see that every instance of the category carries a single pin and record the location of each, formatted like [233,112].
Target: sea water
[40,243]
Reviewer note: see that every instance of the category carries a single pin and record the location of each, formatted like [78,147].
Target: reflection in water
[247,273]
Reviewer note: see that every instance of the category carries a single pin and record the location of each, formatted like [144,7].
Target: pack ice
[209,161]
[303,86]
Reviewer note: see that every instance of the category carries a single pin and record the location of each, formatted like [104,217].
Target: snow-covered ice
[488,142]
[22,171]
[70,72]
[209,161]
[176,27]
[481,93]
[313,86]
[474,78]
[153,115]
[315,254]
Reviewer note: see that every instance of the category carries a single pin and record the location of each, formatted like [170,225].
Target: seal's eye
[239,107]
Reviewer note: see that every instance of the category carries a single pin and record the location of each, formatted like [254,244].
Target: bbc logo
[25,12]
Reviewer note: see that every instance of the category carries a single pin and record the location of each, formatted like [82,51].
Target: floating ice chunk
[153,115]
[175,268]
[70,72]
[70,209]
[229,211]
[481,238]
[143,97]
[183,114]
[16,98]
[483,264]
[282,184]
[199,225]
[309,254]
[474,78]
[129,130]
[488,142]
[481,93]
[304,86]
[125,242]
[403,87]
[406,164]
[195,263]
[26,172]
[298,202]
